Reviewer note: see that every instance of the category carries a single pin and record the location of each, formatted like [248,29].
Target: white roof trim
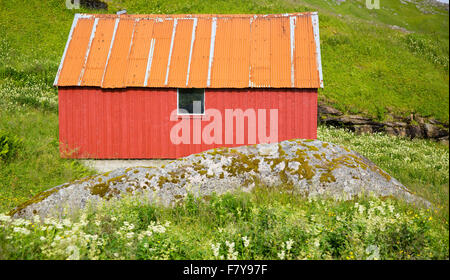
[315,24]
[175,21]
[110,48]
[292,24]
[94,28]
[149,60]
[74,23]
[211,48]
[194,28]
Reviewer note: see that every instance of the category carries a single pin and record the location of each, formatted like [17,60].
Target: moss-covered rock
[308,167]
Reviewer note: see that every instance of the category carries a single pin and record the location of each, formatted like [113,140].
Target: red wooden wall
[135,122]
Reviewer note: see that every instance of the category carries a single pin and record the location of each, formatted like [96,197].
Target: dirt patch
[106,165]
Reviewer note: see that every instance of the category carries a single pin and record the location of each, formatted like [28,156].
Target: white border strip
[211,48]
[315,24]
[149,60]
[110,48]
[132,37]
[292,24]
[69,39]
[125,81]
[250,83]
[194,28]
[175,21]
[94,28]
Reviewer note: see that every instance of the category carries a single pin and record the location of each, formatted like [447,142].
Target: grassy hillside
[375,62]
[370,67]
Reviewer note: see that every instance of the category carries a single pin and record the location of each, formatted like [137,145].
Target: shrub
[9,146]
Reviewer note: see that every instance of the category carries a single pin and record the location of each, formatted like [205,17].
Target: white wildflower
[74,252]
[373,252]
[246,241]
[20,222]
[391,208]
[21,230]
[232,255]
[317,243]
[289,244]
[66,222]
[5,218]
[215,248]
[281,255]
[361,209]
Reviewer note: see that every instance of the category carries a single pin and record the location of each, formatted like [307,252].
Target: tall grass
[264,224]
[421,165]
[37,164]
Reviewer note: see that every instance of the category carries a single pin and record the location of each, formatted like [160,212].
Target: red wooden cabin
[126,81]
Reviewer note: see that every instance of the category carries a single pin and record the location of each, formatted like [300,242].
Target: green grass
[37,165]
[421,165]
[264,224]
[369,68]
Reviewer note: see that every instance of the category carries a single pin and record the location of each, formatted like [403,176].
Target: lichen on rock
[308,167]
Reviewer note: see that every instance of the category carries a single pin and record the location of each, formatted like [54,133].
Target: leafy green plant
[10,146]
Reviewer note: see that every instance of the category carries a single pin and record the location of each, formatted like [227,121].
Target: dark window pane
[191,99]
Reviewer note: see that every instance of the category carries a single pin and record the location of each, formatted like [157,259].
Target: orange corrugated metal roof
[201,51]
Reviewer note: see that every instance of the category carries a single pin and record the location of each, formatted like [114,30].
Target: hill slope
[375,61]
[392,59]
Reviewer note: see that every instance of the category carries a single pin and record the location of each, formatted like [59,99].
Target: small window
[191,101]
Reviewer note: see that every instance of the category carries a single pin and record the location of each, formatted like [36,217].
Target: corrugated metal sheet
[202,51]
[134,122]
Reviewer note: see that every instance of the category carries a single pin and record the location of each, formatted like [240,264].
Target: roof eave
[315,24]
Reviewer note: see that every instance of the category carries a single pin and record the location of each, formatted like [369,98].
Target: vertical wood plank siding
[135,122]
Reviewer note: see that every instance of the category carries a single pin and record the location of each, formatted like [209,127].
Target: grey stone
[328,110]
[415,131]
[443,140]
[306,167]
[396,130]
[363,128]
[419,119]
[398,126]
[431,131]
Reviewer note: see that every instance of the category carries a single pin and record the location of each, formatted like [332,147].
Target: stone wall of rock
[414,126]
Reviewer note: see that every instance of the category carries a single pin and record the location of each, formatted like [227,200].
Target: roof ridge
[86,15]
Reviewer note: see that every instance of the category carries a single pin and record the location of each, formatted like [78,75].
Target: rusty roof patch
[201,51]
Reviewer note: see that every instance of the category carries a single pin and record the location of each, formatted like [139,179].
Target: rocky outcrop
[307,167]
[94,4]
[413,127]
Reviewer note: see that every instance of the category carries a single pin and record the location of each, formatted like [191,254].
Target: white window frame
[189,114]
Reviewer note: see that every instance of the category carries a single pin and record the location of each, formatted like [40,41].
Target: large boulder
[308,167]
